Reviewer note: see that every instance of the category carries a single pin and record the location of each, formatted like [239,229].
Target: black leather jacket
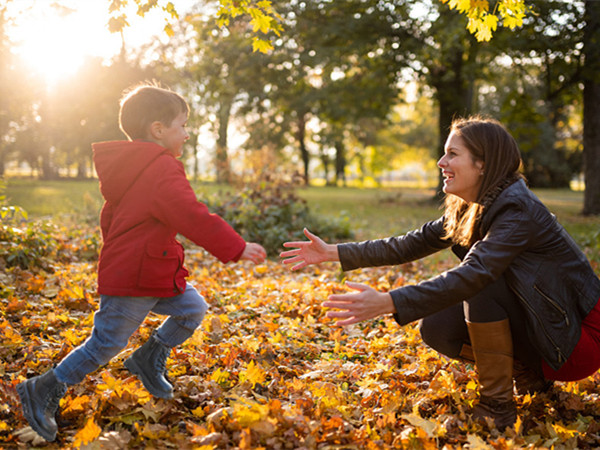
[522,241]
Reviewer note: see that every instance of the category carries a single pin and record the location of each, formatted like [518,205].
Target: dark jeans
[446,331]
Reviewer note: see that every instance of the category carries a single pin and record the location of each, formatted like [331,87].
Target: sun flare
[54,41]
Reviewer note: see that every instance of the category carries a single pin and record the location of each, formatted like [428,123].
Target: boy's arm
[106,215]
[176,205]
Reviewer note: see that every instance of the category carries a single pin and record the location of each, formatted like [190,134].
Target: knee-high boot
[493,349]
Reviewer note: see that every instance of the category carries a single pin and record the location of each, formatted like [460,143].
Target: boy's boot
[40,397]
[149,362]
[493,349]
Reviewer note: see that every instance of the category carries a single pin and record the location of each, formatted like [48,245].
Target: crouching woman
[523,301]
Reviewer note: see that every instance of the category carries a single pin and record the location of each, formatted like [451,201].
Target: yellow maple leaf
[260,21]
[87,434]
[220,376]
[198,412]
[262,45]
[72,337]
[253,374]
[328,394]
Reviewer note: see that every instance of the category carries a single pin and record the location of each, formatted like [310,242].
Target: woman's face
[462,175]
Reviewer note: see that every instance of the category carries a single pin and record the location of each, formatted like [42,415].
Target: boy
[148,200]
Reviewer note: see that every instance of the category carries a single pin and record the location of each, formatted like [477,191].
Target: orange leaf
[87,434]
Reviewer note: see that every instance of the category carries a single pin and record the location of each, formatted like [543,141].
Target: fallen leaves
[266,369]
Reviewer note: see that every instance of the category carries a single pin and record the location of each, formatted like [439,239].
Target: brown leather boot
[528,381]
[466,354]
[493,349]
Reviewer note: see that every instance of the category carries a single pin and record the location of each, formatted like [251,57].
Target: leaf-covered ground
[266,369]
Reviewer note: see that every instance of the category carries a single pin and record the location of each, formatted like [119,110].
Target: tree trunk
[193,145]
[301,137]
[222,160]
[340,163]
[591,108]
[454,96]
[325,161]
[2,161]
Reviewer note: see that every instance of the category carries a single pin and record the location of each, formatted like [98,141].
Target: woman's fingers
[297,244]
[348,297]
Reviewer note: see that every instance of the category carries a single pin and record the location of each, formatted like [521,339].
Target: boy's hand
[254,252]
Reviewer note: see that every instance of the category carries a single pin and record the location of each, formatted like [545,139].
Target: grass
[374,212]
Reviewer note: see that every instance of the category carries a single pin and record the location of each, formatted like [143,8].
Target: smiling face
[171,137]
[462,175]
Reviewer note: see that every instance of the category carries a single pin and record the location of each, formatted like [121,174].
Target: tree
[591,89]
[591,107]
[533,87]
[260,13]
[225,74]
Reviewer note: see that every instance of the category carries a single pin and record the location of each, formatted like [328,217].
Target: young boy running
[148,201]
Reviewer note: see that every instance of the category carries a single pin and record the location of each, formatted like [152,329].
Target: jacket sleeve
[106,215]
[509,234]
[394,250]
[177,206]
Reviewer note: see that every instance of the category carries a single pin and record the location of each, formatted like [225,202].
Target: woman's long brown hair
[488,141]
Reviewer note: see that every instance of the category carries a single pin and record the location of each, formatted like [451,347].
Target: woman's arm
[412,246]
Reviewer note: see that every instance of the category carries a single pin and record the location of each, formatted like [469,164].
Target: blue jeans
[119,317]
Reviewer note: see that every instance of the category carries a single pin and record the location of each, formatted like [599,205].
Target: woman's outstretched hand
[365,304]
[313,251]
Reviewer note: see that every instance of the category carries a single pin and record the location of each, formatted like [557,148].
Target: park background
[329,115]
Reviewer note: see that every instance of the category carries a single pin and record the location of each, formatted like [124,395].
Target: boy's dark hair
[146,103]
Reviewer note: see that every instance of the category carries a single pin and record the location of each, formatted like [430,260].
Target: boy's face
[172,136]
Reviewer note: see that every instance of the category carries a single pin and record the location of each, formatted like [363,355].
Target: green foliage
[27,247]
[31,244]
[8,213]
[272,213]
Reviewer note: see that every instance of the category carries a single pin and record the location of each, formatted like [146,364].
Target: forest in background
[353,90]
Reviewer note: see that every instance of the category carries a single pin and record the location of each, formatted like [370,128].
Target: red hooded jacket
[148,201]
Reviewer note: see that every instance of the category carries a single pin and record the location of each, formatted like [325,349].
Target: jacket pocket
[555,313]
[160,264]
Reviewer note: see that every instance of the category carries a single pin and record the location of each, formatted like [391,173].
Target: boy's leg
[40,395]
[114,323]
[185,312]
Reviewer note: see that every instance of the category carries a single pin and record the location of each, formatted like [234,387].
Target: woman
[522,303]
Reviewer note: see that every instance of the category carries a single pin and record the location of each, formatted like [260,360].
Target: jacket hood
[119,163]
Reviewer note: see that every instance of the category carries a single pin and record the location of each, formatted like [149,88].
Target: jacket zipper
[553,303]
[556,347]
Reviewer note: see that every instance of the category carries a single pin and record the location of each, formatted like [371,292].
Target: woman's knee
[444,334]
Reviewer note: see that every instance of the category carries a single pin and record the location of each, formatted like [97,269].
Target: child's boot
[40,397]
[149,363]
